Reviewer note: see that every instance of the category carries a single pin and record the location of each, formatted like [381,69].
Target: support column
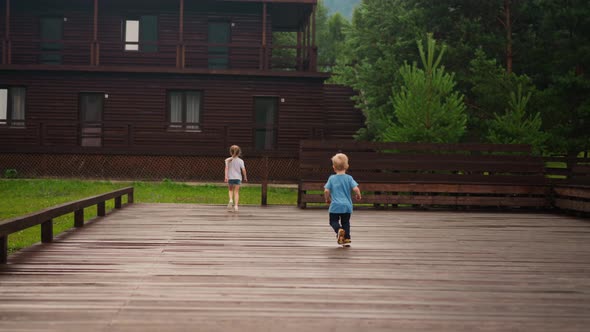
[94,47]
[101,209]
[181,48]
[47,231]
[314,49]
[308,43]
[299,50]
[263,49]
[79,218]
[6,47]
[3,249]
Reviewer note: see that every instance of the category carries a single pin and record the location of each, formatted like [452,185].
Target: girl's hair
[235,151]
[340,162]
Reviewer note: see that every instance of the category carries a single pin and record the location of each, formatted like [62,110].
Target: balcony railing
[160,137]
[187,55]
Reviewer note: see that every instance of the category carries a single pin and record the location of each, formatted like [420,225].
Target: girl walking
[234,169]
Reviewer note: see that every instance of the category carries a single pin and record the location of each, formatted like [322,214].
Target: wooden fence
[487,175]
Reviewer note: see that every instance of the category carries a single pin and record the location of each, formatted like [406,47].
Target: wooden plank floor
[165,267]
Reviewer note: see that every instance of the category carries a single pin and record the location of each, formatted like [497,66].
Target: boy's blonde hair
[235,151]
[340,162]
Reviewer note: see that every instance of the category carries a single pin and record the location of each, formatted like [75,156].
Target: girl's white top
[234,168]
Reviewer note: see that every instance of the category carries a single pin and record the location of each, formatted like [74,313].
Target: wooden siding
[135,112]
[245,48]
[343,118]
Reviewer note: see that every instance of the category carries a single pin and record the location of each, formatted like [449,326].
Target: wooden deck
[199,268]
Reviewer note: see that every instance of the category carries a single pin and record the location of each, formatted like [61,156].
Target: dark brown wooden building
[161,88]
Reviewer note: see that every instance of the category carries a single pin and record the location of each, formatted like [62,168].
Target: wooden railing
[45,217]
[186,55]
[164,138]
[485,175]
[571,183]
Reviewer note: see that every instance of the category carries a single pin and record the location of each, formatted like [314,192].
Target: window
[12,106]
[184,108]
[51,40]
[265,114]
[219,33]
[141,34]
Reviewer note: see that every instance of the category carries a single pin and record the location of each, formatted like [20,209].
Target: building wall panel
[135,108]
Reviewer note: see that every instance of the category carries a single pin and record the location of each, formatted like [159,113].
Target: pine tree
[427,108]
[515,126]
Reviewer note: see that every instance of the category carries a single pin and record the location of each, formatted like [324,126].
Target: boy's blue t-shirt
[340,187]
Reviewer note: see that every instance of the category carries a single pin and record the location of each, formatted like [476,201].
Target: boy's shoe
[341,235]
[347,242]
[230,206]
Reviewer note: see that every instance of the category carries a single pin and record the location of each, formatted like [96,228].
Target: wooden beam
[3,249]
[79,218]
[264,60]
[6,48]
[180,49]
[94,46]
[299,53]
[264,188]
[47,231]
[313,59]
[100,209]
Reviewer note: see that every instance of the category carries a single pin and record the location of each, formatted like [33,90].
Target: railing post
[264,190]
[79,218]
[118,202]
[47,231]
[4,249]
[130,198]
[100,209]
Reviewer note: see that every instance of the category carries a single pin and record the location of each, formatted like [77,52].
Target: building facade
[161,88]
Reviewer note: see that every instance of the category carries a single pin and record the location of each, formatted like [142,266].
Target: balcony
[209,37]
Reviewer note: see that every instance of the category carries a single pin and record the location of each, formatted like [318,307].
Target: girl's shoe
[235,208]
[230,206]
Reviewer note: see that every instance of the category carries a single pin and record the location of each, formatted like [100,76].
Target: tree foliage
[547,41]
[515,126]
[427,107]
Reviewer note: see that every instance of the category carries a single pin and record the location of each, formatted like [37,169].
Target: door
[51,40]
[265,115]
[218,56]
[91,109]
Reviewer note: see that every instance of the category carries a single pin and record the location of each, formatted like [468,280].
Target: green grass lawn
[20,197]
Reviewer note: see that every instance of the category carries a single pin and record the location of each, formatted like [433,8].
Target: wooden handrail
[45,217]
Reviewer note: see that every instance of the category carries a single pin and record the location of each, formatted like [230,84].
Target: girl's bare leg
[236,197]
[230,193]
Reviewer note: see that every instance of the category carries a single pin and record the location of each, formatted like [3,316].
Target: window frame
[9,122]
[183,126]
[140,47]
